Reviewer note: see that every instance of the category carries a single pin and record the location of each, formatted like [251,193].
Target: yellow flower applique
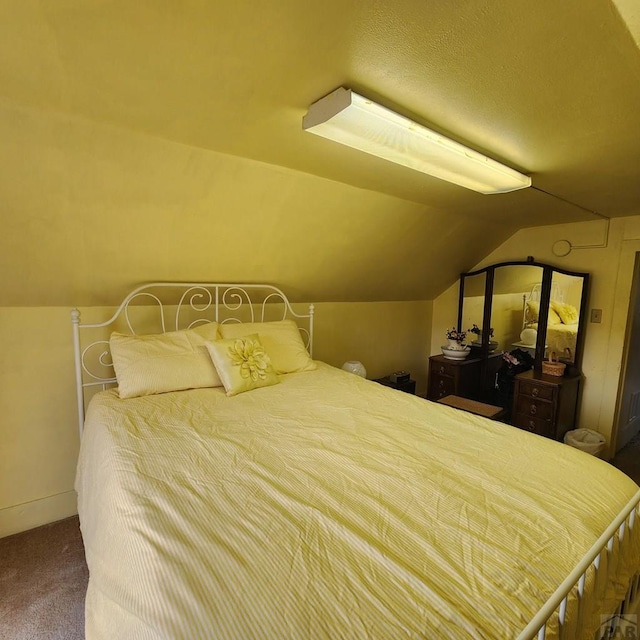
[249,355]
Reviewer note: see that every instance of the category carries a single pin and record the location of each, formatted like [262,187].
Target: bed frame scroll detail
[178,305]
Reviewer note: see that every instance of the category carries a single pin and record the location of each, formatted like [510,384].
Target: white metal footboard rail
[624,526]
[214,301]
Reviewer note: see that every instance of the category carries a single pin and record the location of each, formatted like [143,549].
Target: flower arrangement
[478,331]
[454,334]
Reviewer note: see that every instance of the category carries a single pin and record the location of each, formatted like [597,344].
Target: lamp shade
[529,337]
[346,117]
[353,366]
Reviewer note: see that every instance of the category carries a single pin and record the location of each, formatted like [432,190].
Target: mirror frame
[545,296]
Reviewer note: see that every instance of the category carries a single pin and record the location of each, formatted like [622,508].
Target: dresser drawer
[530,406]
[533,424]
[441,386]
[537,390]
[443,369]
[453,377]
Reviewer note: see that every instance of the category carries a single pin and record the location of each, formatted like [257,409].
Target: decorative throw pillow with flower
[242,364]
[249,355]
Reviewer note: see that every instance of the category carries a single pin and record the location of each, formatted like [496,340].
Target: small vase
[454,345]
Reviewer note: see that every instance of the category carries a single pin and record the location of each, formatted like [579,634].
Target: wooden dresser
[468,378]
[545,404]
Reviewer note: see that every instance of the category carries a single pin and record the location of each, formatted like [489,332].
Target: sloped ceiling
[142,140]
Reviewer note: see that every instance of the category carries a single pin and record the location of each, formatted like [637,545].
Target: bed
[562,322]
[323,505]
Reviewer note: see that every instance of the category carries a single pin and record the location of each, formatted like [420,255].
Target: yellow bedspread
[561,340]
[328,506]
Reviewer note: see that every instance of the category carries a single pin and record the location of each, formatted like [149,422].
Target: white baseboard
[33,514]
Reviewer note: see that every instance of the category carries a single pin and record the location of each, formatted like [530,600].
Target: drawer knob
[441,369]
[535,392]
[533,410]
[441,384]
[532,425]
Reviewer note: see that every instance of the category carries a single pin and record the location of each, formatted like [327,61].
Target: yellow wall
[90,210]
[384,336]
[611,269]
[38,433]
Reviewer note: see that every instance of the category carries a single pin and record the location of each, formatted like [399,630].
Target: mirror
[525,305]
[473,303]
[511,292]
[565,306]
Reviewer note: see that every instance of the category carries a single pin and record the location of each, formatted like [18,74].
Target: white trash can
[586,440]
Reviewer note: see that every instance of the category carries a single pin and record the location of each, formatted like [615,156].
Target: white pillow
[281,340]
[159,363]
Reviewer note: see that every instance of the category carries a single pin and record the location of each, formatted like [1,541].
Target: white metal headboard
[188,304]
[557,292]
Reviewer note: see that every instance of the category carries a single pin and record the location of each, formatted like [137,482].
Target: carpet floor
[628,459]
[43,580]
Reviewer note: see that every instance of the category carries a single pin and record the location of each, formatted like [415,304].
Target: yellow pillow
[281,340]
[554,318]
[567,312]
[242,364]
[533,309]
[159,363]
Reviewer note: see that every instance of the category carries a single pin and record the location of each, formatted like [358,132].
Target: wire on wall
[563,248]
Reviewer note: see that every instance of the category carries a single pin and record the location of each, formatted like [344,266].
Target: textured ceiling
[550,88]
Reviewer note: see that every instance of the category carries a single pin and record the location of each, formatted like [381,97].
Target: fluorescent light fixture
[346,117]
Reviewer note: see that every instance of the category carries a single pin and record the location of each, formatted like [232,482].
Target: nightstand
[408,386]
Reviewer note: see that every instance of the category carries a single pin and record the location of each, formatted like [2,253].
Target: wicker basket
[552,367]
